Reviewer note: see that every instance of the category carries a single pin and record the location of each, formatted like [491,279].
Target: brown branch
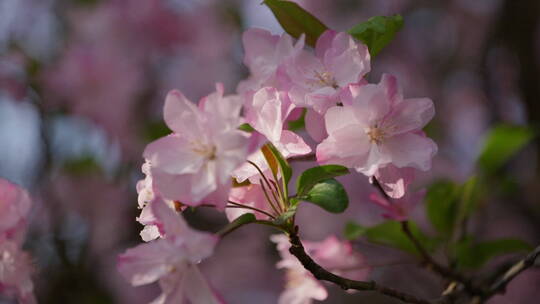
[435,266]
[500,285]
[297,249]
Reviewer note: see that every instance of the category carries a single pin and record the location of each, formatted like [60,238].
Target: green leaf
[442,206]
[329,195]
[240,221]
[298,124]
[314,175]
[474,255]
[390,234]
[353,231]
[502,142]
[246,128]
[377,32]
[296,21]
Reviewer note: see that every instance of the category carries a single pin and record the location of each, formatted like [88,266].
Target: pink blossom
[264,56]
[267,113]
[334,255]
[14,207]
[251,195]
[194,164]
[317,79]
[15,271]
[376,127]
[171,260]
[398,209]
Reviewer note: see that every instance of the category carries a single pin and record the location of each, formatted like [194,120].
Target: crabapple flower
[194,164]
[14,207]
[267,113]
[171,260]
[15,271]
[265,55]
[251,195]
[334,255]
[317,79]
[398,209]
[376,127]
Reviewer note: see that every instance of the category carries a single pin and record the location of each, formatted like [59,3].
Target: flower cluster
[15,264]
[211,158]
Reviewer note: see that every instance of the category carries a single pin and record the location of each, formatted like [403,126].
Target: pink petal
[292,144]
[315,125]
[410,150]
[394,180]
[412,114]
[180,114]
[173,154]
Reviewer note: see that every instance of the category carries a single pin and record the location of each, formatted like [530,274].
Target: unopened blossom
[194,164]
[398,209]
[394,181]
[317,79]
[265,55]
[376,127]
[172,260]
[332,254]
[14,207]
[267,112]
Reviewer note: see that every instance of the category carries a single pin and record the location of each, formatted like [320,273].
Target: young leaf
[312,176]
[377,32]
[329,195]
[286,169]
[502,142]
[441,206]
[246,128]
[240,221]
[270,159]
[473,256]
[296,21]
[282,219]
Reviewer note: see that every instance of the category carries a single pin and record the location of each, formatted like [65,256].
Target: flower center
[376,134]
[326,79]
[204,150]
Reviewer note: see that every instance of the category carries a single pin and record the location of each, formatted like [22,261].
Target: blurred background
[82,85]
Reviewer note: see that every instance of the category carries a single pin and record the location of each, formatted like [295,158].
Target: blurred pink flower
[171,260]
[331,253]
[194,164]
[15,264]
[15,271]
[376,127]
[400,208]
[14,207]
[264,56]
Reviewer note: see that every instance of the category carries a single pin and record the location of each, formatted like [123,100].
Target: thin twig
[500,284]
[297,249]
[237,205]
[434,265]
